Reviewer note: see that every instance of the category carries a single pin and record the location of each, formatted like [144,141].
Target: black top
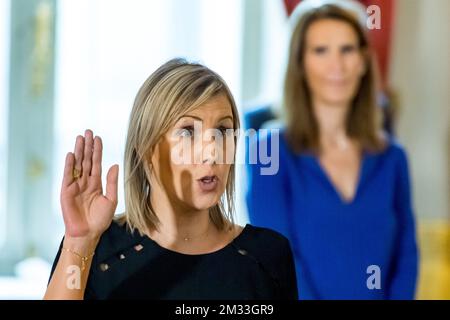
[257,264]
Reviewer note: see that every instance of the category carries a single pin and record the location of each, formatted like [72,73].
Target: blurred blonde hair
[174,89]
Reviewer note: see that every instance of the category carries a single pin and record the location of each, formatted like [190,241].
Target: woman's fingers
[79,150]
[87,156]
[97,158]
[68,169]
[111,183]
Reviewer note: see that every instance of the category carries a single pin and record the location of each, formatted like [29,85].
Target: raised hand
[86,210]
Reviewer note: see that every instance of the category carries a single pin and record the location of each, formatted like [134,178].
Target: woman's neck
[178,224]
[331,120]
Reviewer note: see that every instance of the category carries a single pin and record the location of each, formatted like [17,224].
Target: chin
[206,201]
[338,98]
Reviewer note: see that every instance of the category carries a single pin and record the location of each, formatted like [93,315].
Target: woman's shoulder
[393,149]
[117,238]
[257,233]
[271,251]
[263,242]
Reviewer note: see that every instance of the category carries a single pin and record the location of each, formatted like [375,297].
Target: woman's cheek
[224,175]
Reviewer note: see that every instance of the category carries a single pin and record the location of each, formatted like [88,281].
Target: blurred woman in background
[342,192]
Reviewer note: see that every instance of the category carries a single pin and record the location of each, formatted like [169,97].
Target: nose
[209,161]
[209,153]
[206,151]
[336,63]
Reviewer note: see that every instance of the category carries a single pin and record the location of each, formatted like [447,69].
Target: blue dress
[363,249]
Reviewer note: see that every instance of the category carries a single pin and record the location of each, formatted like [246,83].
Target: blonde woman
[177,238]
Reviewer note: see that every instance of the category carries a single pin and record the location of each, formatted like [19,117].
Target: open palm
[86,210]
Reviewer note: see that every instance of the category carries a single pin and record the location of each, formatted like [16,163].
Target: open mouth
[208,183]
[208,179]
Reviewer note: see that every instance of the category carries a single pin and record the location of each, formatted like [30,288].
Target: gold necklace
[186,238]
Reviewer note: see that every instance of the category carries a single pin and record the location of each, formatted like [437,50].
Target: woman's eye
[186,132]
[320,50]
[348,49]
[225,131]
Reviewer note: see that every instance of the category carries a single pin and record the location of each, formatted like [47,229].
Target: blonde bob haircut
[174,89]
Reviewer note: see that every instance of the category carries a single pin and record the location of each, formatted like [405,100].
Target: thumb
[111,183]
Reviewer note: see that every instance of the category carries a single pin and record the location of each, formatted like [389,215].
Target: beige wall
[420,74]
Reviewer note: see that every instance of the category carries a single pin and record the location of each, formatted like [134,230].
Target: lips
[337,82]
[208,183]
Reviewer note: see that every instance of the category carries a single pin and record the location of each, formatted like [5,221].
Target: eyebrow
[200,119]
[315,45]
